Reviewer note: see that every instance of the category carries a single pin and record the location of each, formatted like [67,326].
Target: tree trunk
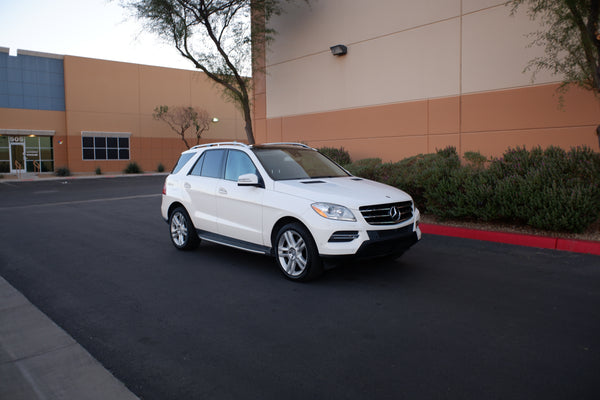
[248,127]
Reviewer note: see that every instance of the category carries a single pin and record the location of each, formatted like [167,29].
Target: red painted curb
[544,242]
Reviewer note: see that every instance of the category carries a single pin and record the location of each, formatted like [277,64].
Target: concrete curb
[544,242]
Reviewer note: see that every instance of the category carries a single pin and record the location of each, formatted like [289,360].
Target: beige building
[64,111]
[418,76]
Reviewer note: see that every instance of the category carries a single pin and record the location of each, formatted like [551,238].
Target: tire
[183,233]
[296,253]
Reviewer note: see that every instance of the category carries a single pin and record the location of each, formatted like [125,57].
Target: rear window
[183,159]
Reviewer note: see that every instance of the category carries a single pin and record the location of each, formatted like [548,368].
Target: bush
[98,171]
[340,156]
[367,168]
[63,171]
[547,189]
[160,168]
[475,159]
[133,168]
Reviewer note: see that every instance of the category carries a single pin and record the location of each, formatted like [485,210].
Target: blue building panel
[3,85]
[15,102]
[31,102]
[32,82]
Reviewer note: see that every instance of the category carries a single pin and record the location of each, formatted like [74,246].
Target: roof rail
[289,144]
[217,144]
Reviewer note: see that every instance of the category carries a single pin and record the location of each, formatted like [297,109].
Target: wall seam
[460,80]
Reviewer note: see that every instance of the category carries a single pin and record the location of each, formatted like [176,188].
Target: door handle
[187,186]
[222,191]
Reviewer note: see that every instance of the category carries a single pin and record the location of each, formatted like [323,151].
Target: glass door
[17,158]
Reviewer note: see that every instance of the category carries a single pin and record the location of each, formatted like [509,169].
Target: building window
[107,146]
[4,154]
[39,154]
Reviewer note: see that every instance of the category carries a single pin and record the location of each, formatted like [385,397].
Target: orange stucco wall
[418,76]
[106,96]
[114,97]
[488,122]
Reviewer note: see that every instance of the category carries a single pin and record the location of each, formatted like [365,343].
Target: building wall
[418,76]
[105,96]
[90,97]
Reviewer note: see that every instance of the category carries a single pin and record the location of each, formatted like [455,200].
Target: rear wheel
[297,254]
[183,233]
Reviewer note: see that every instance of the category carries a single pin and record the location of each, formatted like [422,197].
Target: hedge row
[549,189]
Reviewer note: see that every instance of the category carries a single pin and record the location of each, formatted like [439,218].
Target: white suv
[286,200]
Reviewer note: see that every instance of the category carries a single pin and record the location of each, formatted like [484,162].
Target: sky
[86,28]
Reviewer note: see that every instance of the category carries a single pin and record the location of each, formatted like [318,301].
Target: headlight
[333,211]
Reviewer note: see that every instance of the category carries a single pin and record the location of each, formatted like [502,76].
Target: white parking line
[63,203]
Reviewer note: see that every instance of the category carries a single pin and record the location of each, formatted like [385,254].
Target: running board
[235,243]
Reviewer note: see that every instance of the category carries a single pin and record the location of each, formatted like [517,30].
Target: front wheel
[183,233]
[297,254]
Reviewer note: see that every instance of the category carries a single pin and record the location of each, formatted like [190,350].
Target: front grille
[387,214]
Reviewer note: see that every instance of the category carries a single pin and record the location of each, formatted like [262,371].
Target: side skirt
[235,243]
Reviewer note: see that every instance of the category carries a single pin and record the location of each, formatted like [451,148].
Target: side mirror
[248,180]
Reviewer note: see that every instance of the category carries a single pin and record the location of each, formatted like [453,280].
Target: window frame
[99,149]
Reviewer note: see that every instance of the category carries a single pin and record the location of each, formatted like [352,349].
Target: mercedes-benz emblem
[394,213]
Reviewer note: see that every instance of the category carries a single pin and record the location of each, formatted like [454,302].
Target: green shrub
[367,168]
[63,171]
[340,156]
[475,159]
[160,168]
[549,189]
[98,171]
[133,168]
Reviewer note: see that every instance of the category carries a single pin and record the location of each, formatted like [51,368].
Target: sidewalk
[39,360]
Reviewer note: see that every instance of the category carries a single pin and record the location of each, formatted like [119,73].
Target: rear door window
[212,167]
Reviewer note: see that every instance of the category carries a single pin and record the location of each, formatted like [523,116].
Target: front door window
[17,159]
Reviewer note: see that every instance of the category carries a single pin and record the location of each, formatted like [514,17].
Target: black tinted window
[197,168]
[213,163]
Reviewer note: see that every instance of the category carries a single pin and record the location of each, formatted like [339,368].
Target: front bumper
[381,243]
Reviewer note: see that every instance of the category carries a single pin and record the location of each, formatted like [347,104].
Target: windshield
[291,163]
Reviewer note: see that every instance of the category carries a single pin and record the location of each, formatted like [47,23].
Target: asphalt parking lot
[452,319]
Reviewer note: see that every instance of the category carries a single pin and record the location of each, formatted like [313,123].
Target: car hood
[351,192]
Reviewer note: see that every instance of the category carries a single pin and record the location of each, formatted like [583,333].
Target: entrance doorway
[17,158]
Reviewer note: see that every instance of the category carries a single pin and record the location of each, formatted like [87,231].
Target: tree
[180,119]
[571,39]
[216,36]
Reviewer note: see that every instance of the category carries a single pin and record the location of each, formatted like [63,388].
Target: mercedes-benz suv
[286,200]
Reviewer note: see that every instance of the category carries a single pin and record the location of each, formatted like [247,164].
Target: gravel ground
[592,233]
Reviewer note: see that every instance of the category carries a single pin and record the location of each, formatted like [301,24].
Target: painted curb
[544,242]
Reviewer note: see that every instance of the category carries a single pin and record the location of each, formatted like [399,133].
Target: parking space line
[64,203]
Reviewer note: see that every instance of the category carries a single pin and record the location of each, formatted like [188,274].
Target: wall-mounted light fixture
[338,50]
[215,120]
